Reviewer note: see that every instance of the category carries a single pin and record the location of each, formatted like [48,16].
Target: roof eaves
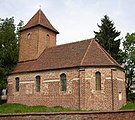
[39,25]
[75,67]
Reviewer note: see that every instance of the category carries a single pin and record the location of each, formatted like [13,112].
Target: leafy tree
[129,59]
[107,37]
[8,48]
[19,26]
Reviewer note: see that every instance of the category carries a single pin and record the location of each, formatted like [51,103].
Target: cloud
[74,19]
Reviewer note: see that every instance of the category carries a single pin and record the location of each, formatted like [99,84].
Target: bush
[131,97]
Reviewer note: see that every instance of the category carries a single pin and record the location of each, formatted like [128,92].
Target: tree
[8,48]
[107,37]
[129,59]
[19,26]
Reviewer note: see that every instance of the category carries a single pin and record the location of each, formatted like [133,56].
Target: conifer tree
[107,37]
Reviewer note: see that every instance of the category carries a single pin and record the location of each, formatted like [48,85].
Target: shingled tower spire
[37,35]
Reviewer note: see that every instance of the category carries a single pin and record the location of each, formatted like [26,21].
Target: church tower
[37,35]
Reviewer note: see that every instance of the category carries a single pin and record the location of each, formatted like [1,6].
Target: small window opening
[28,37]
[98,81]
[120,96]
[63,82]
[47,37]
[38,83]
[17,84]
[47,41]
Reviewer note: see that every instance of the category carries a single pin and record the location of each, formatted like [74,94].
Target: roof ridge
[110,58]
[86,52]
[63,45]
[74,42]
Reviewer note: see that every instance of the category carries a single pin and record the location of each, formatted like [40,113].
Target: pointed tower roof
[39,19]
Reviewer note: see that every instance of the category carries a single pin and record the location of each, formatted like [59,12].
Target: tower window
[47,40]
[28,36]
[38,83]
[98,80]
[63,82]
[47,37]
[17,84]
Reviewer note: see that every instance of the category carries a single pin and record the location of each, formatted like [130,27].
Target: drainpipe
[113,69]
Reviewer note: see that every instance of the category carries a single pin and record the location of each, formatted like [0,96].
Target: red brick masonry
[79,61]
[111,115]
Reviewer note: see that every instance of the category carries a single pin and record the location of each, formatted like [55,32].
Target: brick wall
[50,94]
[112,115]
[33,47]
[87,97]
[103,99]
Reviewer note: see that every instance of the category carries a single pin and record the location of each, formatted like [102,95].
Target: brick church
[78,75]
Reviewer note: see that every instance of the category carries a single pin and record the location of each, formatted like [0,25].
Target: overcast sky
[74,19]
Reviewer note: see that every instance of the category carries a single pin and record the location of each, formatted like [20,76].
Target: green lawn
[129,105]
[19,108]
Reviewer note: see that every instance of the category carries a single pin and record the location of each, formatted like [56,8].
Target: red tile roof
[82,53]
[39,19]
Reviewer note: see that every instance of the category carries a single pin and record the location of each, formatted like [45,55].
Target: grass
[129,105]
[19,108]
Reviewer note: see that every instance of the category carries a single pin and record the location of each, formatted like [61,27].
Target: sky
[74,19]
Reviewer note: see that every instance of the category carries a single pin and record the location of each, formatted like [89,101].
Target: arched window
[63,82]
[47,40]
[98,81]
[17,84]
[38,83]
[28,36]
[47,37]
